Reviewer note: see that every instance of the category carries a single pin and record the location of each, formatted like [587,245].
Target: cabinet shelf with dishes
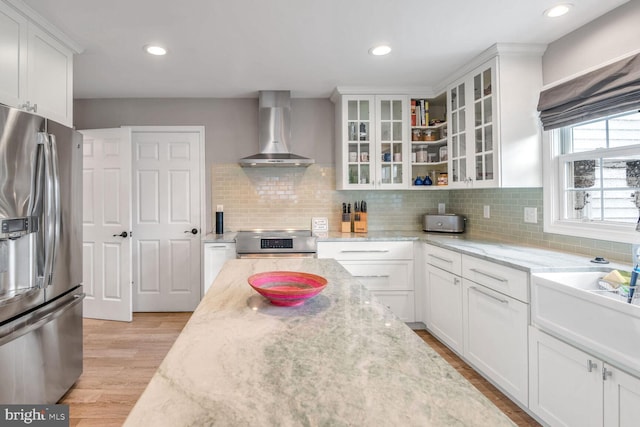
[428,147]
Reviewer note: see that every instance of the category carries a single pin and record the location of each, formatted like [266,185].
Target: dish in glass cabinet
[287,288]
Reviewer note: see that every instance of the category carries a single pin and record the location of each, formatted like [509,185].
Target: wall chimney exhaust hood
[274,130]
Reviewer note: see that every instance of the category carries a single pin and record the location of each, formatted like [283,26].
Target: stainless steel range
[276,243]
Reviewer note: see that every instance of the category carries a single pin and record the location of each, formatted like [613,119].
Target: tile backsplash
[276,198]
[279,198]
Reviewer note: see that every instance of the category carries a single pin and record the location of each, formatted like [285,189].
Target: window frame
[553,207]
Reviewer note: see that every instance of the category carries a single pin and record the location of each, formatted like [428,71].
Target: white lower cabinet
[569,387]
[480,310]
[213,258]
[495,337]
[444,307]
[385,268]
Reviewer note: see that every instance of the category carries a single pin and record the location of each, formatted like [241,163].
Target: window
[593,188]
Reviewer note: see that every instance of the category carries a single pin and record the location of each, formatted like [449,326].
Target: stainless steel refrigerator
[40,258]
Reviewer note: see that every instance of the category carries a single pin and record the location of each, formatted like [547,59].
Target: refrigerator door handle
[55,169]
[49,210]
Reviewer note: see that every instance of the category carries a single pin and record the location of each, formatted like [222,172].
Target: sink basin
[589,281]
[572,306]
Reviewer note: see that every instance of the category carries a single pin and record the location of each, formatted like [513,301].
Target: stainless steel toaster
[445,223]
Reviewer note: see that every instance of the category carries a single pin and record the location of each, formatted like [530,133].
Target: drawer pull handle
[364,251]
[449,261]
[217,247]
[486,294]
[373,276]
[490,276]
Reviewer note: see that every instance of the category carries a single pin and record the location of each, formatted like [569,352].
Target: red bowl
[287,288]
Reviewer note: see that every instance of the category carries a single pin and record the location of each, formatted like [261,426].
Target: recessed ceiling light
[380,50]
[155,50]
[558,10]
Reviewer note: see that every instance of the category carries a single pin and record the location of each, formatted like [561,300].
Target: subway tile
[283,198]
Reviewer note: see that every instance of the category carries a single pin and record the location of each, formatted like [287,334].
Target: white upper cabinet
[372,142]
[494,129]
[13,67]
[36,73]
[50,77]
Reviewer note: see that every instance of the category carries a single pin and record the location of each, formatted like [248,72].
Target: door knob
[192,231]
[123,234]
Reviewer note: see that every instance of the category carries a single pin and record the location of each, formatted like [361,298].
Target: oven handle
[277,255]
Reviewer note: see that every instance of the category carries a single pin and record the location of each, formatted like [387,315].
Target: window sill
[612,233]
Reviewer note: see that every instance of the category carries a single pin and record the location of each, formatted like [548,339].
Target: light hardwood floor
[120,359]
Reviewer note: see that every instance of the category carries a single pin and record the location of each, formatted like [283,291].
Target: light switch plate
[486,211]
[531,215]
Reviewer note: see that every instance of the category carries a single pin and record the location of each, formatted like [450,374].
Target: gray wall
[612,35]
[231,125]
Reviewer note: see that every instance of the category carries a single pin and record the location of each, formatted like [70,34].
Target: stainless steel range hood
[274,133]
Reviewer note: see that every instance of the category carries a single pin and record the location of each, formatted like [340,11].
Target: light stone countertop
[342,359]
[527,258]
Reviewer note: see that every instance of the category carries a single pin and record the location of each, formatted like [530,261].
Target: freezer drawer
[41,354]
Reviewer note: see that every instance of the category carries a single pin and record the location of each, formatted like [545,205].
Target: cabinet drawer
[507,280]
[366,250]
[382,275]
[443,258]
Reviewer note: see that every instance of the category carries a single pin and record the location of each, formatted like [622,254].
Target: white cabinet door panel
[13,66]
[444,307]
[622,398]
[401,303]
[50,77]
[565,383]
[214,257]
[495,337]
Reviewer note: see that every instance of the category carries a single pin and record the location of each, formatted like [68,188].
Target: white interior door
[106,215]
[166,209]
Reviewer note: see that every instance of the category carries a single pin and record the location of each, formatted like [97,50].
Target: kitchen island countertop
[340,359]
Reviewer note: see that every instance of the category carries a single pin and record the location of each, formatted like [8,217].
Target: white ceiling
[233,48]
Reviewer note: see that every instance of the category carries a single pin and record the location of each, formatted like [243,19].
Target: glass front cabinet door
[391,141]
[474,130]
[357,142]
[372,142]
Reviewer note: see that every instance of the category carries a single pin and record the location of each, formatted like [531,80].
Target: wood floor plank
[121,357]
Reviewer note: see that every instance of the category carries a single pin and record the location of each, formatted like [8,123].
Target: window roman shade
[614,88]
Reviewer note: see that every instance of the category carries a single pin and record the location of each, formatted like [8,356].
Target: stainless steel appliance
[276,243]
[446,223]
[274,133]
[40,258]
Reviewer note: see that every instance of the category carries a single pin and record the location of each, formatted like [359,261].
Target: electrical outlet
[635,253]
[441,208]
[531,215]
[486,211]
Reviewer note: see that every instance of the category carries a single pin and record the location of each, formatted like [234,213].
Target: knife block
[360,224]
[346,225]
